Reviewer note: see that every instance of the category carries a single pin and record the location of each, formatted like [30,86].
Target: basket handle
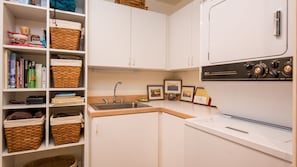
[55,17]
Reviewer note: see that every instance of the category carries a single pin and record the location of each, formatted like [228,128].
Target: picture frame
[172,86]
[201,97]
[187,93]
[155,92]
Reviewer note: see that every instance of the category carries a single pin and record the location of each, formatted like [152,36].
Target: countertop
[178,108]
[270,140]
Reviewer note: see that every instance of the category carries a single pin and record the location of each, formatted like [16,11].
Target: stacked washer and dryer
[247,50]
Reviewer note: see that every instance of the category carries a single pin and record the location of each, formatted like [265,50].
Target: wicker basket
[134,3]
[25,134]
[68,75]
[66,129]
[63,38]
[65,34]
[58,161]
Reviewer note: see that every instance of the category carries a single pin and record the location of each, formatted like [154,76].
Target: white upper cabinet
[148,39]
[184,37]
[122,36]
[109,39]
[241,30]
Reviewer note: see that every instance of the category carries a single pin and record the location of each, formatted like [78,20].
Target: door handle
[277,23]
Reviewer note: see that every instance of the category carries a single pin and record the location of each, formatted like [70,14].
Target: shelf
[67,89]
[53,146]
[66,15]
[24,90]
[41,148]
[26,11]
[23,106]
[25,49]
[62,51]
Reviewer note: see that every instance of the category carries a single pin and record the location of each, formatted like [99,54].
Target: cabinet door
[204,149]
[109,34]
[125,140]
[245,29]
[180,38]
[172,141]
[195,42]
[148,39]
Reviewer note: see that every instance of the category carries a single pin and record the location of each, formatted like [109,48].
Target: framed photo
[172,86]
[187,93]
[201,97]
[155,92]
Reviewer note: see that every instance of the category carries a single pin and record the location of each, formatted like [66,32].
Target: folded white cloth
[65,24]
[66,62]
[23,122]
[66,120]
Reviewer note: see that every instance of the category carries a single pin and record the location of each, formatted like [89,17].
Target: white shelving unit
[13,15]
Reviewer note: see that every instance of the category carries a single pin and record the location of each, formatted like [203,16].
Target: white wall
[134,82]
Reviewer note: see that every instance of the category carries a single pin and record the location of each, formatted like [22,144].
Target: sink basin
[100,106]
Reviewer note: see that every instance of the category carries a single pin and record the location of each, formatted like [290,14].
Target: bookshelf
[13,16]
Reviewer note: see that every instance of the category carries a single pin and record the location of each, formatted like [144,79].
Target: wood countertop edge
[105,113]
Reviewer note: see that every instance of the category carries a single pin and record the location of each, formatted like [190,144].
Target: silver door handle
[277,23]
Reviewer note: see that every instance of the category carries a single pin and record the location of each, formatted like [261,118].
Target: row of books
[23,73]
[67,98]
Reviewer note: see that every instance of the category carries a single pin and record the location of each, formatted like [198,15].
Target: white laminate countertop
[274,141]
[270,140]
[191,109]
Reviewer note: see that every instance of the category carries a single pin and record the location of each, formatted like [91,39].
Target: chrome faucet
[114,92]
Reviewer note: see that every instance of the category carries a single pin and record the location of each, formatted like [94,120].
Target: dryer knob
[288,68]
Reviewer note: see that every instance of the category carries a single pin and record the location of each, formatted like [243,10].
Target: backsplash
[134,82]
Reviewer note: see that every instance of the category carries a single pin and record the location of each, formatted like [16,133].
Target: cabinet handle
[277,23]
[189,61]
[96,129]
[129,63]
[133,64]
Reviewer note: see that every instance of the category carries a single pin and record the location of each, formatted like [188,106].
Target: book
[17,74]
[43,77]
[68,100]
[26,68]
[12,70]
[65,94]
[21,73]
[38,69]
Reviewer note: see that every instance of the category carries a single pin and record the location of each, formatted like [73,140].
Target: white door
[148,39]
[180,32]
[125,140]
[245,29]
[171,141]
[109,34]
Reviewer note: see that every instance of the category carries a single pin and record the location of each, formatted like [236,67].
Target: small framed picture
[201,97]
[155,92]
[187,93]
[172,86]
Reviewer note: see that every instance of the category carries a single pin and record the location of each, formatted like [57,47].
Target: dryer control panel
[280,69]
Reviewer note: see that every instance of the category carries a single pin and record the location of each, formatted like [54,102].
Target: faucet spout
[114,92]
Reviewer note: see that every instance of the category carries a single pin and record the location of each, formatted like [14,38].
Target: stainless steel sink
[100,106]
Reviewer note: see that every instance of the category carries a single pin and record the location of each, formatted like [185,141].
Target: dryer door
[246,29]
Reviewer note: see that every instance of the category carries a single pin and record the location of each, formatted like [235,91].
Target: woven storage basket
[68,75]
[58,161]
[64,34]
[66,129]
[25,134]
[134,3]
